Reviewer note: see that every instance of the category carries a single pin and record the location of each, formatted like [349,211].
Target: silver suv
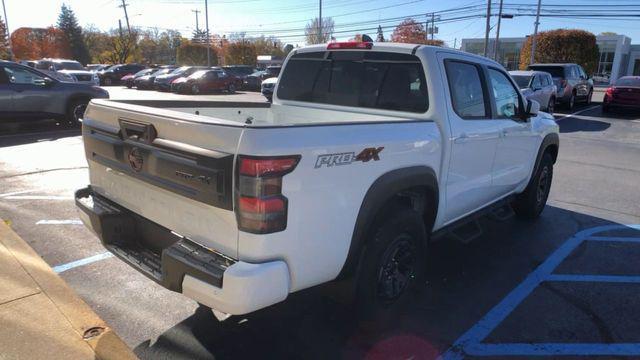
[572,82]
[538,86]
[29,93]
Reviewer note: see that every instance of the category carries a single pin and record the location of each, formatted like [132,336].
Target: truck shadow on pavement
[26,133]
[464,281]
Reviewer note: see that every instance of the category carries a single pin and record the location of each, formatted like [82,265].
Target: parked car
[70,68]
[253,81]
[623,94]
[129,79]
[29,93]
[147,82]
[239,71]
[204,81]
[163,82]
[267,88]
[113,74]
[538,86]
[244,204]
[97,67]
[571,81]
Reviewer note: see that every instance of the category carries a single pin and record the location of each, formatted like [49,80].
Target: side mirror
[532,108]
[48,82]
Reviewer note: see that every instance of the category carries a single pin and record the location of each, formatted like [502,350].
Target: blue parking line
[88,260]
[553,349]
[594,278]
[471,341]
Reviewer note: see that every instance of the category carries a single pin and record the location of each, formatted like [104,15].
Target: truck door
[517,145]
[474,137]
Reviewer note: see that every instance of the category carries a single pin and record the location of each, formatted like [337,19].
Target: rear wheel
[392,264]
[589,97]
[551,106]
[530,203]
[195,89]
[75,111]
[571,102]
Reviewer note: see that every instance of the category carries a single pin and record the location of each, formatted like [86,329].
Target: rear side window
[467,94]
[375,80]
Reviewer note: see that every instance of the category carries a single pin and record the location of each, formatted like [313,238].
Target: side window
[582,73]
[465,85]
[23,76]
[505,95]
[536,84]
[547,80]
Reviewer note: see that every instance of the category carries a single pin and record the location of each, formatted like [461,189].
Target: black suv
[112,75]
[571,80]
[29,93]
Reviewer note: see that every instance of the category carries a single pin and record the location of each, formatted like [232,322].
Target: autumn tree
[68,24]
[5,50]
[409,31]
[241,52]
[268,46]
[190,53]
[380,36]
[561,46]
[98,43]
[37,43]
[313,36]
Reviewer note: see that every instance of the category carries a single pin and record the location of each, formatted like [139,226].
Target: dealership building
[617,56]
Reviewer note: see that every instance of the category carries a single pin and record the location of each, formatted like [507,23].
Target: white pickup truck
[367,152]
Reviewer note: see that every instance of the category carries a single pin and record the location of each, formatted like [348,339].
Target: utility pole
[433,24]
[6,26]
[206,20]
[495,54]
[197,25]
[126,16]
[320,23]
[488,29]
[455,43]
[535,33]
[120,28]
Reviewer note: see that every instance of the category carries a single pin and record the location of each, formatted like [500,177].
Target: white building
[617,56]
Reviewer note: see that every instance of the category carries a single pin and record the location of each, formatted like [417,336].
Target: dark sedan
[146,82]
[26,93]
[112,75]
[624,94]
[129,79]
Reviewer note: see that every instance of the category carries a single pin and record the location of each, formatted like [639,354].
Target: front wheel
[589,97]
[231,89]
[195,89]
[572,101]
[392,264]
[530,203]
[551,106]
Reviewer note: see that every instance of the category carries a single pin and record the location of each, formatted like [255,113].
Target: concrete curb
[70,323]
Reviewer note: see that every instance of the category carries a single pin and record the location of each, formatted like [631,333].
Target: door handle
[463,138]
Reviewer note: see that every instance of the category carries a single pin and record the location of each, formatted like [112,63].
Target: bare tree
[311,31]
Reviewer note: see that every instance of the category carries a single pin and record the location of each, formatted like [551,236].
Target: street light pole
[6,27]
[206,20]
[320,23]
[535,33]
[488,29]
[495,54]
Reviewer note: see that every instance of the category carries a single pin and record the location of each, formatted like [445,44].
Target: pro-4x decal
[346,158]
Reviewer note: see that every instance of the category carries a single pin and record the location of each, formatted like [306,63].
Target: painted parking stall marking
[88,260]
[59,222]
[471,342]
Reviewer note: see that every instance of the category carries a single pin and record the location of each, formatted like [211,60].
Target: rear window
[635,82]
[378,80]
[522,80]
[555,71]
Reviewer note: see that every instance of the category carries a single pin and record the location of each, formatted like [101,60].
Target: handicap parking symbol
[472,342]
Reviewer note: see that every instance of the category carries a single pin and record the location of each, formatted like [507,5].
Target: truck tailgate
[173,168]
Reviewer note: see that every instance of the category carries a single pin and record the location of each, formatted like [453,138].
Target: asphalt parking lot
[566,284]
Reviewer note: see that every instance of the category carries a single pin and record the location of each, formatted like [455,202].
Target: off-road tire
[392,266]
[530,203]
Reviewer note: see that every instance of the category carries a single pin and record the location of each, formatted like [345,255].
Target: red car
[624,94]
[209,80]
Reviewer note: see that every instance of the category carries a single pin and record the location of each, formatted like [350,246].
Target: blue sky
[288,17]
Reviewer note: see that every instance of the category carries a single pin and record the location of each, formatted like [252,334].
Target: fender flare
[552,139]
[380,192]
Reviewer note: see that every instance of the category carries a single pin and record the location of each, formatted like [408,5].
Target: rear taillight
[260,206]
[611,91]
[349,45]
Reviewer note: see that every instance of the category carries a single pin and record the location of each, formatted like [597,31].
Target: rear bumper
[180,265]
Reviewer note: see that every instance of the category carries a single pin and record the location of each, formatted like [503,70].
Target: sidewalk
[40,315]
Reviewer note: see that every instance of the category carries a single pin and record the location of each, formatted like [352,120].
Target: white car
[68,70]
[267,87]
[368,151]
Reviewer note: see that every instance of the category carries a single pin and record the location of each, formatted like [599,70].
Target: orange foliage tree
[412,32]
[36,43]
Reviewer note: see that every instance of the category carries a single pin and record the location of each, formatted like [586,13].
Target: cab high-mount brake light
[349,45]
[260,206]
